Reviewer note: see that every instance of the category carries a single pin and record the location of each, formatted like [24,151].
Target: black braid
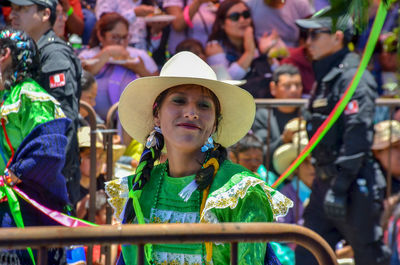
[143,172]
[147,160]
[204,176]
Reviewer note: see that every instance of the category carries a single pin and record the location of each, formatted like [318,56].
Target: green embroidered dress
[23,108]
[236,195]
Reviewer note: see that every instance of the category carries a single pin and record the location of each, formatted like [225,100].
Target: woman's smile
[189,126]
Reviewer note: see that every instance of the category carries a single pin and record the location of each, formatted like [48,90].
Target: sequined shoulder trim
[34,96]
[226,197]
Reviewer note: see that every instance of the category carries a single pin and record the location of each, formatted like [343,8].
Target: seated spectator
[232,44]
[270,15]
[248,152]
[84,153]
[89,94]
[285,84]
[192,45]
[386,149]
[134,13]
[193,19]
[116,64]
[298,188]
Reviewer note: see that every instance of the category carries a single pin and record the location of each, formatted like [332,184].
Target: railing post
[140,254]
[234,253]
[42,255]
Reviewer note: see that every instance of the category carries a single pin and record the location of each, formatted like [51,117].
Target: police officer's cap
[52,4]
[322,19]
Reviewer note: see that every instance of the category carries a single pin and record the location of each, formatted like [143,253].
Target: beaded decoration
[23,49]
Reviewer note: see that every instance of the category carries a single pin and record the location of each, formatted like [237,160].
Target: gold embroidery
[279,203]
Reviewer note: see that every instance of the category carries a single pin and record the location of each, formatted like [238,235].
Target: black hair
[284,69]
[25,61]
[188,44]
[249,141]
[87,80]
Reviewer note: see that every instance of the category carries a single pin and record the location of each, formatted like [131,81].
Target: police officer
[347,195]
[60,73]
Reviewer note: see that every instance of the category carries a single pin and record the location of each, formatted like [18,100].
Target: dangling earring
[209,144]
[151,140]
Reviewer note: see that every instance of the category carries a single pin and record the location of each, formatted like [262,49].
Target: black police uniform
[347,195]
[60,76]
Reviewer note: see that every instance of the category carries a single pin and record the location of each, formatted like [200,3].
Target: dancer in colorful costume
[196,117]
[32,143]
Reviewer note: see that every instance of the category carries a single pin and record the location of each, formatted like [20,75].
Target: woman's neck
[184,164]
[237,43]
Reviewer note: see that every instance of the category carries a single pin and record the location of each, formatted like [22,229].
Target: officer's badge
[351,108]
[320,102]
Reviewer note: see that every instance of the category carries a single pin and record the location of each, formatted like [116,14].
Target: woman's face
[236,21]
[186,118]
[119,35]
[251,159]
[85,162]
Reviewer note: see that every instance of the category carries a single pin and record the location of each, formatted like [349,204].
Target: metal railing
[110,129]
[44,237]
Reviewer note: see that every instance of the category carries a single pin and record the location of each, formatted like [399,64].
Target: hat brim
[135,107]
[21,2]
[309,24]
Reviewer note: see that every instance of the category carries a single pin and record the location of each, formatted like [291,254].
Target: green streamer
[340,106]
[16,213]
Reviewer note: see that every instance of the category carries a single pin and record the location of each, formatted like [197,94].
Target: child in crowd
[298,188]
[84,151]
[386,149]
[248,152]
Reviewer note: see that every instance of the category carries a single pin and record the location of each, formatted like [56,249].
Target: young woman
[32,143]
[193,117]
[232,44]
[115,64]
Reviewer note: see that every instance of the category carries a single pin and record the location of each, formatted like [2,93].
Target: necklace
[155,219]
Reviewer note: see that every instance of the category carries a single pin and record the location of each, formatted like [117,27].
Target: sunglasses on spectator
[235,16]
[314,34]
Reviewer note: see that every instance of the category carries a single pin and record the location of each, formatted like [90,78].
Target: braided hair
[25,58]
[204,176]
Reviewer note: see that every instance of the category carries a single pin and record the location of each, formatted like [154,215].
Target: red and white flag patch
[57,80]
[351,108]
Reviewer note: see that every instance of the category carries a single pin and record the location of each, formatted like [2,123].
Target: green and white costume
[236,195]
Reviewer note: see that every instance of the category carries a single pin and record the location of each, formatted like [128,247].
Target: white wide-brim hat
[136,102]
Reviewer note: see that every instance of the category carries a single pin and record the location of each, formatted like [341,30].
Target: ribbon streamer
[340,106]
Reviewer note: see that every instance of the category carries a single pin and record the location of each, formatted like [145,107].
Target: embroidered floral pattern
[117,191]
[237,187]
[165,258]
[165,216]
